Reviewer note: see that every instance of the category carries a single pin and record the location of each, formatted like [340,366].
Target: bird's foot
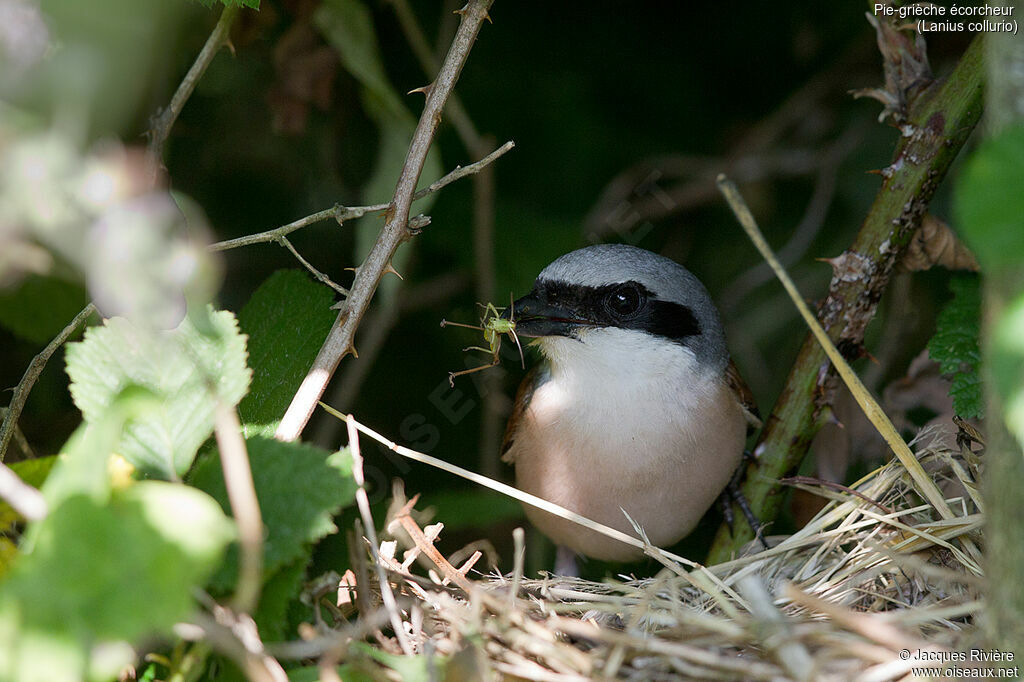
[733,494]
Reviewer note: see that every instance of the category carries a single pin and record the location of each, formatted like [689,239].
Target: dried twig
[872,577]
[35,368]
[363,502]
[164,121]
[342,335]
[244,506]
[238,642]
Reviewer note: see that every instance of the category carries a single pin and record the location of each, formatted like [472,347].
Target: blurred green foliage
[956,348]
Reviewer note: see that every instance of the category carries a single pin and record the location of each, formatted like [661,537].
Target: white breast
[626,420]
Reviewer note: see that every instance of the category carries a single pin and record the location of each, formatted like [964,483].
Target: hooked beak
[535,318]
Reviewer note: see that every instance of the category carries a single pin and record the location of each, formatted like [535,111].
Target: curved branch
[396,230]
[938,123]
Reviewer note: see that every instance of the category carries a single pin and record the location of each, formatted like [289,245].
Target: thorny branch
[938,121]
[341,337]
[342,213]
[164,121]
[35,368]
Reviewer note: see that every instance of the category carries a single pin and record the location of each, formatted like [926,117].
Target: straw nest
[877,571]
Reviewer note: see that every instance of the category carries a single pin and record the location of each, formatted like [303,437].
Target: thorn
[462,12]
[417,224]
[876,172]
[353,351]
[424,89]
[390,268]
[231,46]
[487,16]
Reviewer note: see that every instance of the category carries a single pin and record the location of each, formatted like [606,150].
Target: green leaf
[82,468]
[409,668]
[33,472]
[106,572]
[989,202]
[287,320]
[280,590]
[299,487]
[188,370]
[40,307]
[955,345]
[1006,353]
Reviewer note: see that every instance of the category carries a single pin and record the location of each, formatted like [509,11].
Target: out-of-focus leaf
[955,345]
[101,573]
[1007,365]
[407,667]
[990,203]
[187,369]
[101,61]
[286,320]
[142,262]
[33,472]
[138,254]
[299,487]
[83,468]
[38,308]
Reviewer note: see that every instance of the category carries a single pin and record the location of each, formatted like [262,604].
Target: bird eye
[624,300]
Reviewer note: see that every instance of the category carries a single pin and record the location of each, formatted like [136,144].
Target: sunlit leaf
[286,320]
[299,487]
[187,369]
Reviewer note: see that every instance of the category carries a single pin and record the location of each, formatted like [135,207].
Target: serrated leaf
[286,320]
[956,348]
[106,572]
[299,488]
[187,369]
[40,307]
[989,203]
